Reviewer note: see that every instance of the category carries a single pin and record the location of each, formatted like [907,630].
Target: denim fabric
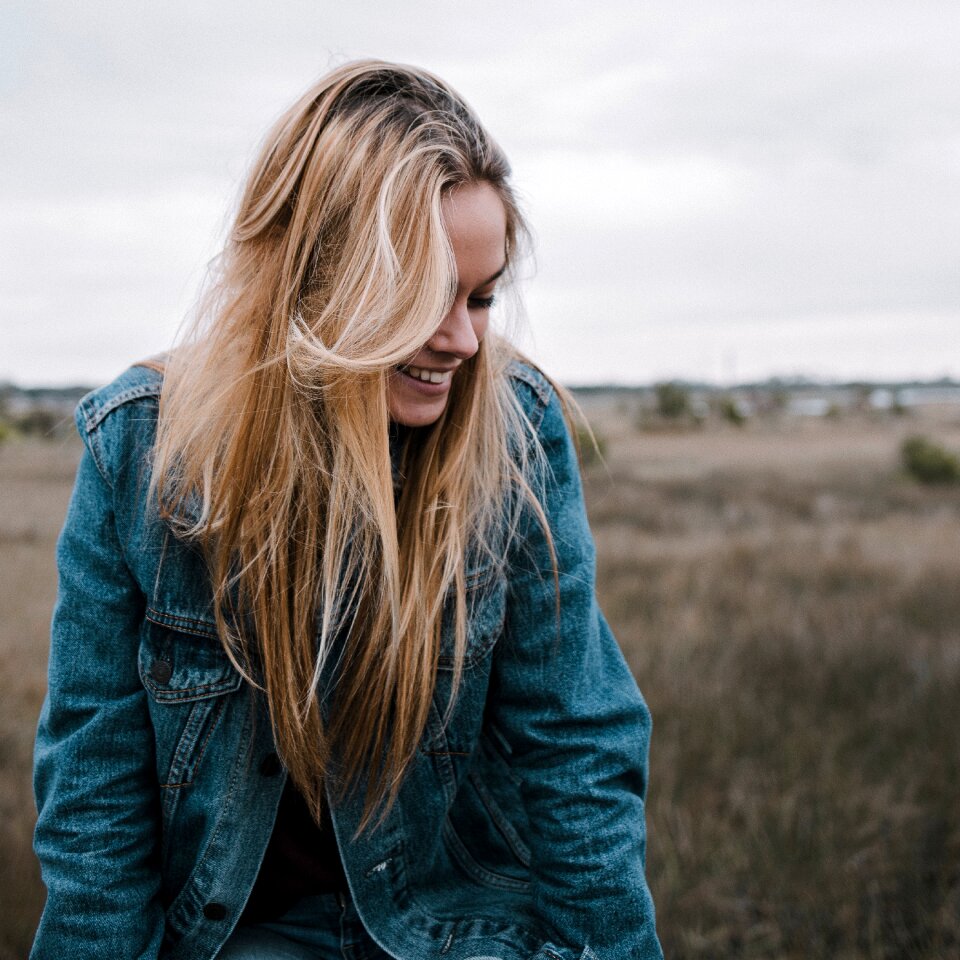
[321,927]
[519,830]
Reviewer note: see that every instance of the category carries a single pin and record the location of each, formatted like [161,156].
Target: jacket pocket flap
[177,666]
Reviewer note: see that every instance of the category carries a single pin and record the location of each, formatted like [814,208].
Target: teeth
[428,376]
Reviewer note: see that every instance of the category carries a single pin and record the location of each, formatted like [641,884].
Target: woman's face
[476,223]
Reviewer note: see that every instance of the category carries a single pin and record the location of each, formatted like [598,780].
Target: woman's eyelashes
[481,303]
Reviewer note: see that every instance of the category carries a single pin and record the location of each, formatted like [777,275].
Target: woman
[327,675]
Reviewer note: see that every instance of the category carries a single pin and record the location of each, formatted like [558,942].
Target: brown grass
[35,482]
[789,603]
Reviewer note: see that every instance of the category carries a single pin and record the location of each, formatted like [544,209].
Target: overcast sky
[720,190]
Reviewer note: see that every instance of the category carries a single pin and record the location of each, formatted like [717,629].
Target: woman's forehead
[476,223]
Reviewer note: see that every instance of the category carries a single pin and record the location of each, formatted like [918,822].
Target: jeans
[321,927]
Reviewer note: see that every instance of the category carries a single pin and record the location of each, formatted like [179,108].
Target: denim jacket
[519,829]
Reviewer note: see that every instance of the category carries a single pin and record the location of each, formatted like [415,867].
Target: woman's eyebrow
[496,276]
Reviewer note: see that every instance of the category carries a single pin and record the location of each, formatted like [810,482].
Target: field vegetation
[787,595]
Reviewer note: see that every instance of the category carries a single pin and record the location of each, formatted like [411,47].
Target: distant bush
[731,411]
[673,400]
[929,462]
[38,422]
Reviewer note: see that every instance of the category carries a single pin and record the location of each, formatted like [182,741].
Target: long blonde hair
[272,449]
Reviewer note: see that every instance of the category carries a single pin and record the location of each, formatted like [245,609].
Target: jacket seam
[190,767]
[467,862]
[92,443]
[188,694]
[173,621]
[93,409]
[500,820]
[179,912]
[95,413]
[533,379]
[537,383]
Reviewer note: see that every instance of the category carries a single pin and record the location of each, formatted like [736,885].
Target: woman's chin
[416,404]
[417,414]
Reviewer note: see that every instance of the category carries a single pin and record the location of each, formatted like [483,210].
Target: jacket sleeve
[96,788]
[579,730]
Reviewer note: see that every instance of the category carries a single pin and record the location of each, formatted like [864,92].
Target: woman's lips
[436,386]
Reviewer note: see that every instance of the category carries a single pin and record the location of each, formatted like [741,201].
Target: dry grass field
[35,482]
[791,606]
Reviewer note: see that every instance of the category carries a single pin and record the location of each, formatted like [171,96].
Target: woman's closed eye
[481,303]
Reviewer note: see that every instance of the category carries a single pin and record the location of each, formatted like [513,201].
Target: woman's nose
[456,334]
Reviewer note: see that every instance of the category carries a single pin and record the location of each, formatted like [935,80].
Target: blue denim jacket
[518,832]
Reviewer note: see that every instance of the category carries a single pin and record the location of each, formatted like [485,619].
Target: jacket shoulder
[117,422]
[142,380]
[532,387]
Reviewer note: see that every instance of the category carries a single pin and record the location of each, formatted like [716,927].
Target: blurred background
[747,263]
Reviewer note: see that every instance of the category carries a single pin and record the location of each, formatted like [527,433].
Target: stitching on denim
[162,619]
[479,578]
[94,414]
[178,911]
[434,734]
[474,869]
[496,736]
[500,820]
[428,928]
[214,720]
[192,755]
[188,739]
[478,652]
[186,694]
[378,867]
[92,443]
[227,682]
[526,374]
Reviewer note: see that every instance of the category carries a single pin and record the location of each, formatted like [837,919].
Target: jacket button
[161,671]
[214,911]
[270,766]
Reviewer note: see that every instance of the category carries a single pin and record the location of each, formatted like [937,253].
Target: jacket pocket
[484,835]
[188,677]
[486,607]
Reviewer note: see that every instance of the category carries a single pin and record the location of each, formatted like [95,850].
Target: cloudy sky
[720,190]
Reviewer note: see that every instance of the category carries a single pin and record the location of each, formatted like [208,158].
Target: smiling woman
[328,677]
